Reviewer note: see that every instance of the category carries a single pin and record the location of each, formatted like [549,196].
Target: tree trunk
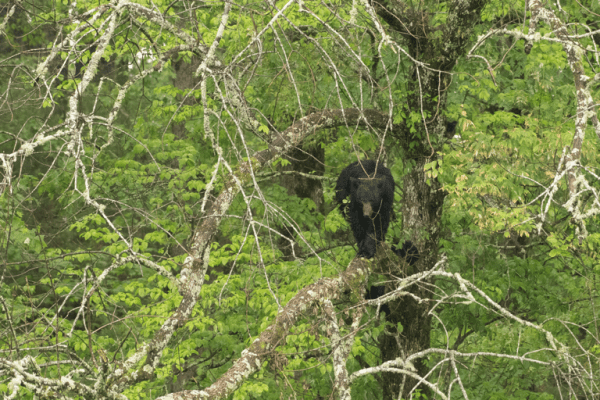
[308,159]
[184,79]
[423,197]
[422,210]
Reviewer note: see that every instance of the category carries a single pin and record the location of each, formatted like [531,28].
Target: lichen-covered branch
[341,348]
[252,358]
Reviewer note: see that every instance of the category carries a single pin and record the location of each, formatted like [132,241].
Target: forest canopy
[168,219]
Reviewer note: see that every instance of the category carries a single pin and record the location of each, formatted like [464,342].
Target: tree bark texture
[306,160]
[184,80]
[423,199]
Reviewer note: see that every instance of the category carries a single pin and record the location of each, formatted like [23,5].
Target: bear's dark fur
[408,252]
[371,197]
[376,292]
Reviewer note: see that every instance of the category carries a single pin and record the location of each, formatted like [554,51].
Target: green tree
[167,199]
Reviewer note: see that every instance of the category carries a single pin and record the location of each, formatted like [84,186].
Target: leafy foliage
[72,275]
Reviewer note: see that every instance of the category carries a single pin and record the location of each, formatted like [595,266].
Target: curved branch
[196,264]
[253,357]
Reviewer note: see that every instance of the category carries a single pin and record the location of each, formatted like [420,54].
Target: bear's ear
[380,183]
[354,183]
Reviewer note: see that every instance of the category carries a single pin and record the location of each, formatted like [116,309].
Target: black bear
[371,194]
[408,252]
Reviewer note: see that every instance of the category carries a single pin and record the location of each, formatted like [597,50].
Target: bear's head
[368,193]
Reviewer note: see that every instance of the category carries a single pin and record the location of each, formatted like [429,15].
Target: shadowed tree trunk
[308,159]
[184,79]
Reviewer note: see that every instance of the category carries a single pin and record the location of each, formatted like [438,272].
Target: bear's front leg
[367,247]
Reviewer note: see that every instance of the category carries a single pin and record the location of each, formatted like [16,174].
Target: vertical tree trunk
[309,159]
[184,79]
[422,210]
[423,199]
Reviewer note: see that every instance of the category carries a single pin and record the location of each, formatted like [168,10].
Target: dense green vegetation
[146,242]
